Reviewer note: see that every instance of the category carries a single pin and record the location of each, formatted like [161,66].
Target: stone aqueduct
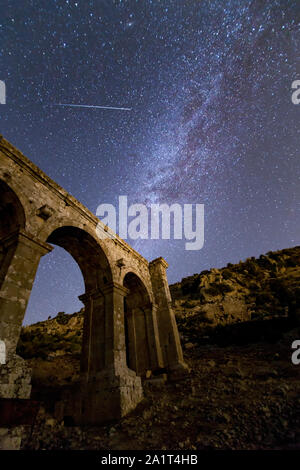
[129,326]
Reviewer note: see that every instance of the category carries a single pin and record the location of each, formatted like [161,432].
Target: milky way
[211,120]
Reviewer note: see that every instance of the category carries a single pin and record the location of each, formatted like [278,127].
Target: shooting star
[92,106]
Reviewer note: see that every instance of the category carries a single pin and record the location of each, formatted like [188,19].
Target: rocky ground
[236,397]
[242,392]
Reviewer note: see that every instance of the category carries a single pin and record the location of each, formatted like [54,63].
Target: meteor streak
[92,106]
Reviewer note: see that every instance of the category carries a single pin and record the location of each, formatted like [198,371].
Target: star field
[211,120]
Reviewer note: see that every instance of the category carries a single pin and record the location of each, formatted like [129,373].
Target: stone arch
[12,213]
[87,252]
[20,253]
[97,275]
[138,312]
[141,277]
[12,216]
[15,374]
[54,224]
[41,213]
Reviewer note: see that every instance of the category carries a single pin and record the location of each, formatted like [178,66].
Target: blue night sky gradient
[212,121]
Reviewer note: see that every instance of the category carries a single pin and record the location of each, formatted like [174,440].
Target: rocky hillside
[54,337]
[256,289]
[205,306]
[237,325]
[53,348]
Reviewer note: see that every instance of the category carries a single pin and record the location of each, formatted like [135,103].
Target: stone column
[115,347]
[132,353]
[93,338]
[108,389]
[168,332]
[20,254]
[156,359]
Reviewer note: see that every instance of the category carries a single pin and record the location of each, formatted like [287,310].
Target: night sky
[211,120]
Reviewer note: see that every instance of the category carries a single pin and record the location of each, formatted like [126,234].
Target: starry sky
[211,121]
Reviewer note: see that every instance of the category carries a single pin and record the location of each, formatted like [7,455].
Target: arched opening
[15,375]
[137,310]
[12,219]
[78,251]
[86,252]
[57,285]
[96,272]
[11,211]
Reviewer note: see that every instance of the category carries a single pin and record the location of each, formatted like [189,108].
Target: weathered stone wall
[12,437]
[15,382]
[35,213]
[15,378]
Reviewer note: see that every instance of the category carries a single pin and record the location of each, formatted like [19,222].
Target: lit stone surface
[129,326]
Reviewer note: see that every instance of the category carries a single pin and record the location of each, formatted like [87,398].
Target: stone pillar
[20,256]
[93,338]
[108,388]
[132,352]
[167,327]
[115,347]
[156,359]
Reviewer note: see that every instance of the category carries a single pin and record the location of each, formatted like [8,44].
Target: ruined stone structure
[129,325]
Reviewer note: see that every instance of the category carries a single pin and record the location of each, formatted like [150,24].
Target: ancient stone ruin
[129,326]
